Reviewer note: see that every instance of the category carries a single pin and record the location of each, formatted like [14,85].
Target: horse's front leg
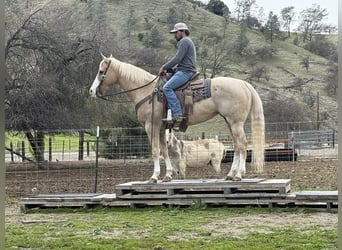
[158,145]
[165,153]
[154,141]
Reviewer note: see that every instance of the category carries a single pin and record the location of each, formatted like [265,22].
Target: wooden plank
[204,183]
[317,195]
[197,196]
[184,183]
[104,197]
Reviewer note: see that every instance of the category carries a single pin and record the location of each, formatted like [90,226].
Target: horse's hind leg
[238,168]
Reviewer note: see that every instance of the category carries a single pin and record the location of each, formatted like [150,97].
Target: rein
[127,91]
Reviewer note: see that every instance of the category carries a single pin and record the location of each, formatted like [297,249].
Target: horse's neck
[136,95]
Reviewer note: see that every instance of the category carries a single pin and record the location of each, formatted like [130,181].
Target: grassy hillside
[110,20]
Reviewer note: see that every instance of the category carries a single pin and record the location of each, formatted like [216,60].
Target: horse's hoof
[237,178]
[152,181]
[228,178]
[232,178]
[167,179]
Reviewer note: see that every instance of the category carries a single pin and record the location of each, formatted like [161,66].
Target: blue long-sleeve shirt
[185,58]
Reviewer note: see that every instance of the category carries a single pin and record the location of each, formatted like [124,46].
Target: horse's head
[104,79]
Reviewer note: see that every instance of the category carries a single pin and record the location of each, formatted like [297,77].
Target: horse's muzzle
[94,93]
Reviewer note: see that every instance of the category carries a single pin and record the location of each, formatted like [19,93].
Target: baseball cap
[179,26]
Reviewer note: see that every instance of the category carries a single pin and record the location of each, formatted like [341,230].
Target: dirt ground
[25,179]
[79,177]
[305,174]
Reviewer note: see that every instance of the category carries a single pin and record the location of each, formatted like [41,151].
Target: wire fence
[79,161]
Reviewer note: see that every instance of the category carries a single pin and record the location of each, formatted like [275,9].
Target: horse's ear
[111,55]
[103,57]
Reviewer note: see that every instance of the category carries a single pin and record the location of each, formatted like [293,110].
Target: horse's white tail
[258,131]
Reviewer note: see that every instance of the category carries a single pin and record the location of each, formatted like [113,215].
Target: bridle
[121,92]
[104,77]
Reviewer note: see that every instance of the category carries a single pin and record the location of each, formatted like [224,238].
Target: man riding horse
[184,63]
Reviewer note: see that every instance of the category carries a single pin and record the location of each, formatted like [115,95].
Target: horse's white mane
[130,72]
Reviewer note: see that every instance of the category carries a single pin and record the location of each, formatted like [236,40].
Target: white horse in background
[185,154]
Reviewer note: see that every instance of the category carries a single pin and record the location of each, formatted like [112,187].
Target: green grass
[60,142]
[159,228]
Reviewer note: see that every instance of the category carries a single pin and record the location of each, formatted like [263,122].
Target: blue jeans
[177,80]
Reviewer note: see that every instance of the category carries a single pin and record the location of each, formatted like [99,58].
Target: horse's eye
[101,72]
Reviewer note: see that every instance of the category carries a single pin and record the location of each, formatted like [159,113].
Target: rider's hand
[161,71]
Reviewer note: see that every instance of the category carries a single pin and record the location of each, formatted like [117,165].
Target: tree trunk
[36,140]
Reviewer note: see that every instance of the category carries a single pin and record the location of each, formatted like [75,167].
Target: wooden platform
[199,188]
[212,192]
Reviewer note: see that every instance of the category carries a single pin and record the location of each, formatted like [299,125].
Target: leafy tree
[253,22]
[266,51]
[296,40]
[149,59]
[272,27]
[309,98]
[153,38]
[177,14]
[291,109]
[244,9]
[320,45]
[287,15]
[217,7]
[332,79]
[259,71]
[311,21]
[305,62]
[239,47]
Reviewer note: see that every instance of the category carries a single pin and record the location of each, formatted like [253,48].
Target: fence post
[11,147]
[80,145]
[333,138]
[23,150]
[97,157]
[50,149]
[63,150]
[293,146]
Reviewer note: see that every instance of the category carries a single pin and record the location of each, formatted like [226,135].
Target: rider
[185,66]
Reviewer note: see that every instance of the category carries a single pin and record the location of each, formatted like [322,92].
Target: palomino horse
[231,98]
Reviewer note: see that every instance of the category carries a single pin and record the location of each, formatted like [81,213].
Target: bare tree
[43,76]
[287,15]
[311,21]
[226,19]
[212,52]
